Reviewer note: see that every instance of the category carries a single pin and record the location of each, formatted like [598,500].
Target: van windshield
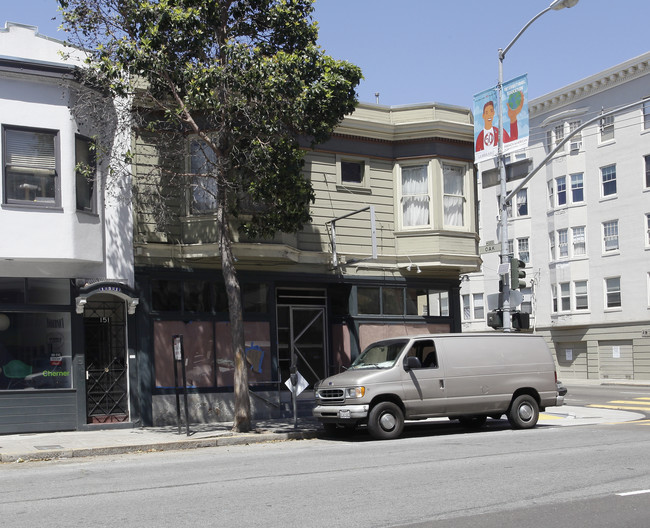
[382,354]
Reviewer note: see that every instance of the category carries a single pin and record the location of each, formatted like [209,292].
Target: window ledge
[31,207]
[353,189]
[611,253]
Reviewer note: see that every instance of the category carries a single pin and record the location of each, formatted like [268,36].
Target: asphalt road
[440,476]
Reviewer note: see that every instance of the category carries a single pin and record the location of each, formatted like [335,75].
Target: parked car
[468,377]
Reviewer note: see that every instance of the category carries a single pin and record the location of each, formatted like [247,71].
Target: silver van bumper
[335,413]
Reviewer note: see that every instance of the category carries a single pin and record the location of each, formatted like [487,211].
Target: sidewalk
[68,444]
[48,446]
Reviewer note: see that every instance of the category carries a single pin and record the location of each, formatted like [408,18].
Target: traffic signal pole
[504,270]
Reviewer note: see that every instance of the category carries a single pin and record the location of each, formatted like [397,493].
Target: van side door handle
[442,384]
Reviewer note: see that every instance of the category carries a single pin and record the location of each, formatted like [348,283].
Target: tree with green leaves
[244,77]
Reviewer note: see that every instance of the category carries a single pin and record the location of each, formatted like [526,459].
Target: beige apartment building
[393,229]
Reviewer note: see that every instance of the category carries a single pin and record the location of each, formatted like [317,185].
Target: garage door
[615,360]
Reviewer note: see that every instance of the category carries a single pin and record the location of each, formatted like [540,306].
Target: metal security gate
[302,333]
[107,387]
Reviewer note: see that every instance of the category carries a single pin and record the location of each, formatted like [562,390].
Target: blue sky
[415,51]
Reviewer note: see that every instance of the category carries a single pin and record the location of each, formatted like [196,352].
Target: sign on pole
[487,128]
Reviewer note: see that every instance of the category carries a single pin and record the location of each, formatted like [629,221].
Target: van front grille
[331,396]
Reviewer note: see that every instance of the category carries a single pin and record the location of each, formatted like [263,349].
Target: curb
[221,441]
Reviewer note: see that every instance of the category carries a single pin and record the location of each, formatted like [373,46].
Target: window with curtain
[415,196]
[581,295]
[610,235]
[646,115]
[579,241]
[647,171]
[454,195]
[204,184]
[523,249]
[522,202]
[30,167]
[85,174]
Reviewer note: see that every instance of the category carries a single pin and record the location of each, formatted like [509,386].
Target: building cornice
[605,80]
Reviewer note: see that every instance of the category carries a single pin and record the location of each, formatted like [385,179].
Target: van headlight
[355,392]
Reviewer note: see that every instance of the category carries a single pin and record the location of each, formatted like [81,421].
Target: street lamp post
[503,219]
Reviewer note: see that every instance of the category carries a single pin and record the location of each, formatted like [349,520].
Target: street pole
[503,218]
[505,254]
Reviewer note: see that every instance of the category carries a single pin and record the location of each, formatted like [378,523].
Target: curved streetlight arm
[502,52]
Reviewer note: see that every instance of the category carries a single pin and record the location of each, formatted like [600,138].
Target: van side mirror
[411,362]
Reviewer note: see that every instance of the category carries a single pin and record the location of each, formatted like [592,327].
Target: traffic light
[516,273]
[495,319]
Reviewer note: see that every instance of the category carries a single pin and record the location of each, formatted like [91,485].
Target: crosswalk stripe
[620,407]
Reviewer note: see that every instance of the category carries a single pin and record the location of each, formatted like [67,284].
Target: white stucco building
[582,225]
[66,250]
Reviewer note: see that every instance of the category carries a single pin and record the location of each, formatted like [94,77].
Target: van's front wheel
[385,421]
[524,412]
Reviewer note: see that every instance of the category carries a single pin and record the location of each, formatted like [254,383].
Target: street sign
[489,248]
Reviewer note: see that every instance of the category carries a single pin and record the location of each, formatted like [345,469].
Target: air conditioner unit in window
[575,145]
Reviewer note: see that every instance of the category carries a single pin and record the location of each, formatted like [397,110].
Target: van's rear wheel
[385,421]
[523,412]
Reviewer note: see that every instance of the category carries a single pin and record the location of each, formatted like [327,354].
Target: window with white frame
[30,167]
[352,173]
[647,171]
[607,128]
[608,178]
[579,241]
[523,249]
[508,206]
[560,185]
[549,140]
[204,181]
[575,143]
[551,194]
[479,307]
[454,195]
[565,296]
[647,229]
[85,174]
[551,240]
[415,196]
[563,243]
[554,297]
[613,292]
[467,313]
[610,236]
[581,295]
[522,202]
[646,115]
[559,134]
[577,188]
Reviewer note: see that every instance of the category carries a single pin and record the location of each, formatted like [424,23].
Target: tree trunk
[242,417]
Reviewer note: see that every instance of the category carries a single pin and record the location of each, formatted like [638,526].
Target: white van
[468,377]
